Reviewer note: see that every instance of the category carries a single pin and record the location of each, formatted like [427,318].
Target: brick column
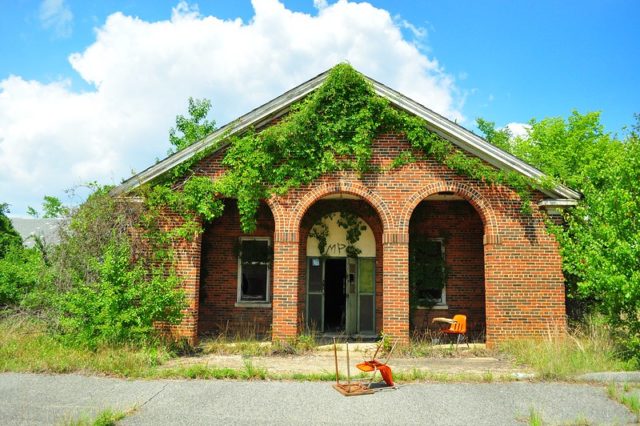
[285,285]
[187,260]
[491,295]
[395,285]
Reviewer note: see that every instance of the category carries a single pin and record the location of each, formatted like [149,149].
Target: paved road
[29,399]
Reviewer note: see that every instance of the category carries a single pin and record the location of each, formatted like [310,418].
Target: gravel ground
[28,399]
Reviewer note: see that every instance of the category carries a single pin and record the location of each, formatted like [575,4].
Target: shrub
[112,282]
[122,304]
[25,280]
[8,236]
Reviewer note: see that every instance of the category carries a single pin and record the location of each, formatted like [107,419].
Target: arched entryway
[341,276]
[446,263]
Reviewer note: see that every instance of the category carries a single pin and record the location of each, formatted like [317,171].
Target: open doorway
[335,273]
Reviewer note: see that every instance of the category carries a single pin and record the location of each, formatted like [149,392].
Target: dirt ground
[460,361]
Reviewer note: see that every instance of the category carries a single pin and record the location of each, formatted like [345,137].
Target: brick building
[487,259]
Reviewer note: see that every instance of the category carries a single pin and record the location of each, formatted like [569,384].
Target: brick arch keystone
[475,198]
[297,213]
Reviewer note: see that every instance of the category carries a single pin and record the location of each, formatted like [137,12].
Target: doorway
[341,295]
[335,273]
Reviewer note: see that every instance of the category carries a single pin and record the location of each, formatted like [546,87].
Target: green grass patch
[107,417]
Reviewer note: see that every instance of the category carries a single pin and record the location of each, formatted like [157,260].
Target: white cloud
[52,137]
[320,4]
[56,15]
[519,130]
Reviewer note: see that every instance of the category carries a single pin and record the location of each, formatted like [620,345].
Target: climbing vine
[320,231]
[354,227]
[330,130]
[347,220]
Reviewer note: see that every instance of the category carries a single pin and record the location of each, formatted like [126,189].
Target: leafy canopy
[52,207]
[191,129]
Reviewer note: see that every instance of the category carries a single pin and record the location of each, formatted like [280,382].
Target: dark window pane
[254,282]
[315,275]
[314,322]
[255,251]
[427,270]
[366,313]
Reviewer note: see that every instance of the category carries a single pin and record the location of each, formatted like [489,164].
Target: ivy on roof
[330,130]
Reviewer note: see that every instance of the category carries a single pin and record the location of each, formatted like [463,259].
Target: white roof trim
[458,135]
[255,118]
[559,203]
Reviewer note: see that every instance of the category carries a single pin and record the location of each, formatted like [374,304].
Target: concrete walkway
[29,399]
[322,361]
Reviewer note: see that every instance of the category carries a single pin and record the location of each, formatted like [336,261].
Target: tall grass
[588,347]
[26,345]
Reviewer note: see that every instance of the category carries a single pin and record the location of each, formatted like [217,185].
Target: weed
[624,397]
[253,372]
[535,418]
[106,417]
[584,349]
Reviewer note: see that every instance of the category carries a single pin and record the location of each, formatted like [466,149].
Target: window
[254,270]
[427,272]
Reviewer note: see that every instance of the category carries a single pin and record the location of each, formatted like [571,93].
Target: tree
[9,237]
[498,137]
[52,207]
[191,129]
[600,241]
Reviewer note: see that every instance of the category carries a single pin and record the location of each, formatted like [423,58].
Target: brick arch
[366,194]
[276,210]
[475,198]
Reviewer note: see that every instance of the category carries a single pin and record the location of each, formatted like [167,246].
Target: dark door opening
[335,272]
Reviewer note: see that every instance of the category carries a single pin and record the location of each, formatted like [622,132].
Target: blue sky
[88,90]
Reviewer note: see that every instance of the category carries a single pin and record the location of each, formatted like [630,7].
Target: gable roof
[458,135]
[30,229]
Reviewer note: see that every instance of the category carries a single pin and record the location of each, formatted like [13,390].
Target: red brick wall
[461,229]
[187,264]
[219,277]
[524,290]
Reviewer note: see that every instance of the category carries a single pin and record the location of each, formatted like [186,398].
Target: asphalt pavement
[31,399]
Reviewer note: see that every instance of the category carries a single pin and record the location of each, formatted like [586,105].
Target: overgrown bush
[123,302]
[8,236]
[25,279]
[106,283]
[115,283]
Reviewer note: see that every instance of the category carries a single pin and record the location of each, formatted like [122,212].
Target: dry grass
[247,342]
[587,348]
[27,346]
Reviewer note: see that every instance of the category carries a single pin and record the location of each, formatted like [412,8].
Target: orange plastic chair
[458,328]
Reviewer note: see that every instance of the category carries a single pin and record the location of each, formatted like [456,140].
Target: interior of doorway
[335,274]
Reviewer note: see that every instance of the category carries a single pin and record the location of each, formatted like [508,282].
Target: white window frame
[253,303]
[442,304]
